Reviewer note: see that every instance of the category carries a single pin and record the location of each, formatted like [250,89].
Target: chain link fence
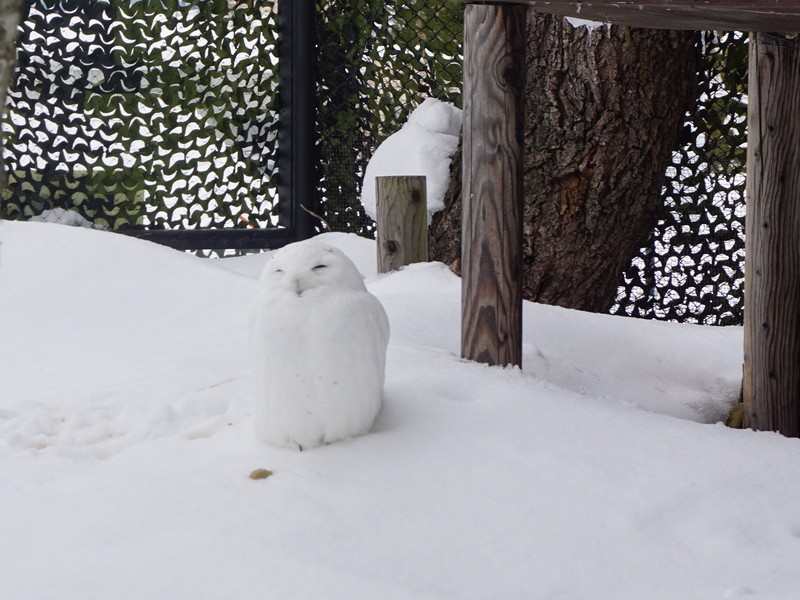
[164,114]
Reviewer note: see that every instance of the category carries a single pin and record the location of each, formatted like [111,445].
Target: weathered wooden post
[491,254]
[401,204]
[772,263]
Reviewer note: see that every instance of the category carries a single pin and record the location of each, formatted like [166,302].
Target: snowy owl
[318,342]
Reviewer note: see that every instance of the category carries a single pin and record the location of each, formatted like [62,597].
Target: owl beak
[298,287]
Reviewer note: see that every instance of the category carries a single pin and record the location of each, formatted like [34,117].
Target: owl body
[318,342]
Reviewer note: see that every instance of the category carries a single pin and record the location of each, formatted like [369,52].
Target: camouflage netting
[151,113]
[163,113]
[693,269]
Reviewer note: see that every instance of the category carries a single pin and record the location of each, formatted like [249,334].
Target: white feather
[318,342]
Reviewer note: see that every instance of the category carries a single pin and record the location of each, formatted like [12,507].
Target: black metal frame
[297,148]
[297,154]
[214,239]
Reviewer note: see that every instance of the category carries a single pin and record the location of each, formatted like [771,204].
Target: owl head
[310,266]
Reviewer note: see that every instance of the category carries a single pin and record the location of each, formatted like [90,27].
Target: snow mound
[88,361]
[424,145]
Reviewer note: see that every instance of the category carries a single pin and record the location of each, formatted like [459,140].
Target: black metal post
[297,156]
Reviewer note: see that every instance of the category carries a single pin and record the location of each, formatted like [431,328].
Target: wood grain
[401,204]
[772,263]
[494,37]
[735,15]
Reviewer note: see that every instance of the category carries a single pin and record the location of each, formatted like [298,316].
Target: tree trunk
[10,15]
[604,111]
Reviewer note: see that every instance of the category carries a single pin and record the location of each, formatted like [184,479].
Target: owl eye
[278,270]
[318,267]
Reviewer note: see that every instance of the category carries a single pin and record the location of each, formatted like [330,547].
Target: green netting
[154,113]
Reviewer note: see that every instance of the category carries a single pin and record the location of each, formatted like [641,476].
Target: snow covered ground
[598,471]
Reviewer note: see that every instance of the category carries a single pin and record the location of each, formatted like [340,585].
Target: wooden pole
[491,252]
[402,221]
[772,263]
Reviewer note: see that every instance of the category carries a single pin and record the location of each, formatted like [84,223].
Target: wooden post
[772,263]
[401,204]
[491,251]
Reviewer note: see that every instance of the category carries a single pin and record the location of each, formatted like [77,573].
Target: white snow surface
[597,471]
[424,145]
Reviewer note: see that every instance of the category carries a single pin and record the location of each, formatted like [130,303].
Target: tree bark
[10,15]
[604,111]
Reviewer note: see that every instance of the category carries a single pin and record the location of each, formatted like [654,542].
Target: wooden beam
[402,221]
[772,253]
[734,15]
[491,259]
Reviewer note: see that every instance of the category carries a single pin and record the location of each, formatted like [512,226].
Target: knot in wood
[512,74]
[391,246]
